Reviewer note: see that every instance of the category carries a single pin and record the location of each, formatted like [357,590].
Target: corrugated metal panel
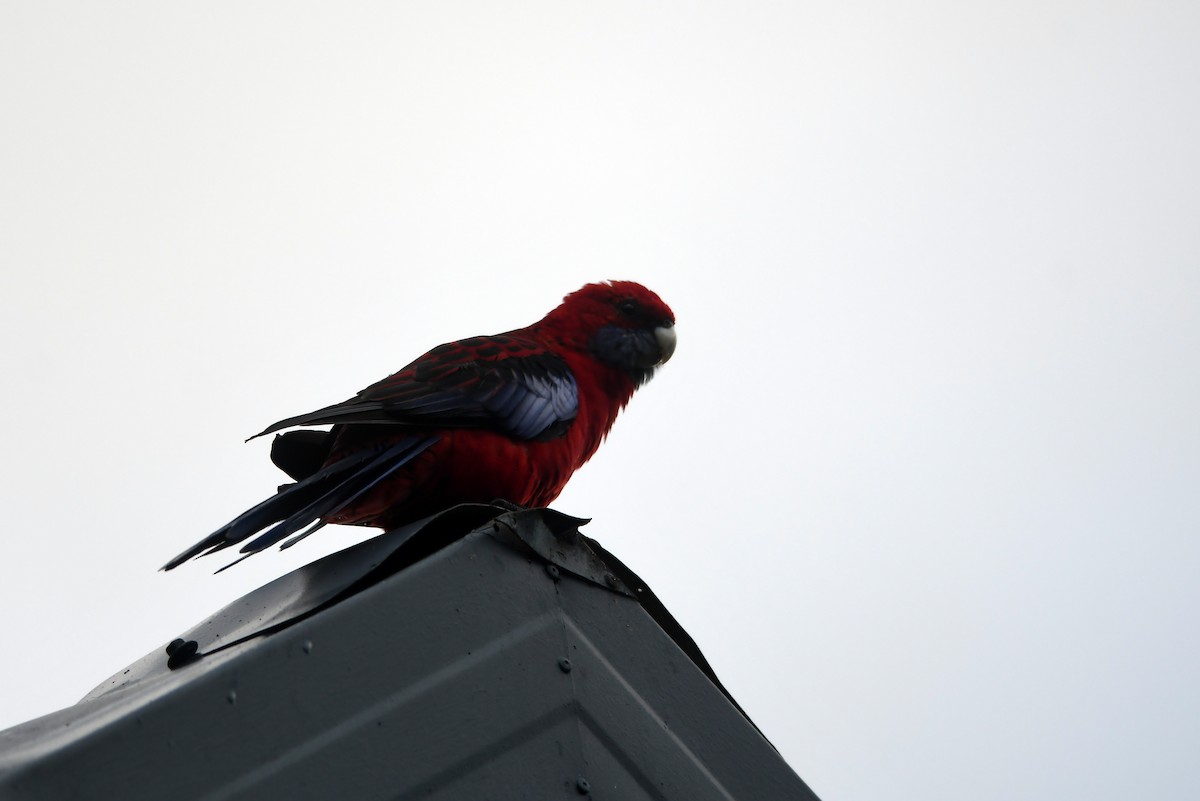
[474,673]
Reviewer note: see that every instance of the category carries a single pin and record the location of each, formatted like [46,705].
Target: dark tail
[307,502]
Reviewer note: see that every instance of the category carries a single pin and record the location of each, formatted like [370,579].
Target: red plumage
[510,416]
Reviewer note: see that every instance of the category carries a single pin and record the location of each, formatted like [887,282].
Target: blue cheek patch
[632,349]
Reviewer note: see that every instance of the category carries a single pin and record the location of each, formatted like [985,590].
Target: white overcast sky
[923,479]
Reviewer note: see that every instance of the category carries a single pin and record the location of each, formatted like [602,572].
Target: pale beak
[665,334]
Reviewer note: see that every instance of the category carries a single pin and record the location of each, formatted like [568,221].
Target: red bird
[509,417]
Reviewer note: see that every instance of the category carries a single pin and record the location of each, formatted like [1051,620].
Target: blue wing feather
[518,388]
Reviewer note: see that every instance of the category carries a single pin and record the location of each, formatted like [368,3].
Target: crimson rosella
[505,417]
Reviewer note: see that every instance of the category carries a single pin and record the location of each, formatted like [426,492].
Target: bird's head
[621,323]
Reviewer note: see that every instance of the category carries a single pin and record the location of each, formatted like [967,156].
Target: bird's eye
[630,308]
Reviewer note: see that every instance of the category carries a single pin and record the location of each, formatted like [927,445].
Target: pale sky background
[923,479]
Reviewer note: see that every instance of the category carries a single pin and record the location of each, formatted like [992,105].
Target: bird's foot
[507,505]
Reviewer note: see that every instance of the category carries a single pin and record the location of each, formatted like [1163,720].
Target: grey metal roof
[512,662]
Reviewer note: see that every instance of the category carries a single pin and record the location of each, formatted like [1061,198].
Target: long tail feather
[298,505]
[343,493]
